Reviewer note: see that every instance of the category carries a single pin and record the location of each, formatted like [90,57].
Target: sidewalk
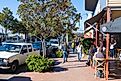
[69,71]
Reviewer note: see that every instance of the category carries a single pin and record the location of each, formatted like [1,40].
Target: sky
[79,5]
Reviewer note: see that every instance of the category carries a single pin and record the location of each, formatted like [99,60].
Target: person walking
[79,51]
[89,56]
[73,46]
[112,49]
[65,55]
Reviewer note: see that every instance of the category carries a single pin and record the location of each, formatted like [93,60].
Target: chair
[99,67]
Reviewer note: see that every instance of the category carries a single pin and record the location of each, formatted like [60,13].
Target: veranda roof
[112,26]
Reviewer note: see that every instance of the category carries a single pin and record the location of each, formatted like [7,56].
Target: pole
[107,43]
[107,53]
[97,34]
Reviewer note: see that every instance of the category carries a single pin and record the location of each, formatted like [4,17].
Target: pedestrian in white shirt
[79,51]
[112,49]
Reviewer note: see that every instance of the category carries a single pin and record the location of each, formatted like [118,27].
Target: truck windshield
[11,48]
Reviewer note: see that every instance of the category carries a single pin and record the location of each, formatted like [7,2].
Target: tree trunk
[26,36]
[44,47]
[67,38]
[17,37]
[6,34]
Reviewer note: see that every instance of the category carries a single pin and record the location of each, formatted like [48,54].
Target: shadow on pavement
[115,74]
[57,62]
[3,80]
[59,69]
[17,78]
[20,78]
[20,69]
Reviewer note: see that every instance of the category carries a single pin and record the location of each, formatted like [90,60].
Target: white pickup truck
[15,54]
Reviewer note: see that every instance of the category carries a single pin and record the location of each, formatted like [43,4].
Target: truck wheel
[14,67]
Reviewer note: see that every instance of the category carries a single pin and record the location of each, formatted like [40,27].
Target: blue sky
[80,6]
[13,5]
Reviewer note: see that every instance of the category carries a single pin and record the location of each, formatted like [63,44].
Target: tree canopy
[6,18]
[45,18]
[8,21]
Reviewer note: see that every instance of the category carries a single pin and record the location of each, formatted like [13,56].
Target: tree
[45,18]
[8,21]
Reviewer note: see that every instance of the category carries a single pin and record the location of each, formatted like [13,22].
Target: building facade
[106,22]
[99,9]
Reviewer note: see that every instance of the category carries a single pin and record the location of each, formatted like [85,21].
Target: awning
[112,26]
[88,29]
[90,5]
[94,19]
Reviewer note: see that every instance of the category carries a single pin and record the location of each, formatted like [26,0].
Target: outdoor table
[103,63]
[99,66]
[119,50]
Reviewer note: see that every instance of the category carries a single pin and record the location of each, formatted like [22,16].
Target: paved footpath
[69,71]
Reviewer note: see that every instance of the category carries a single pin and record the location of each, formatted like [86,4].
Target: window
[54,42]
[24,49]
[10,48]
[30,48]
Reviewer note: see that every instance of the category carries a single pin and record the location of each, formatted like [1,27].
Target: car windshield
[11,48]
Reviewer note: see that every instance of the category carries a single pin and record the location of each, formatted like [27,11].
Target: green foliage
[38,63]
[85,51]
[8,21]
[87,44]
[45,18]
[59,53]
[6,18]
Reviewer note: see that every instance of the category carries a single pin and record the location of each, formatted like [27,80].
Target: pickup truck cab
[15,54]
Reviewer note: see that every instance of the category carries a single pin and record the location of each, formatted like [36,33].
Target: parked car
[15,54]
[54,42]
[37,45]
[51,51]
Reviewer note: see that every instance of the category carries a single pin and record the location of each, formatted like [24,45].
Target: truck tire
[14,67]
